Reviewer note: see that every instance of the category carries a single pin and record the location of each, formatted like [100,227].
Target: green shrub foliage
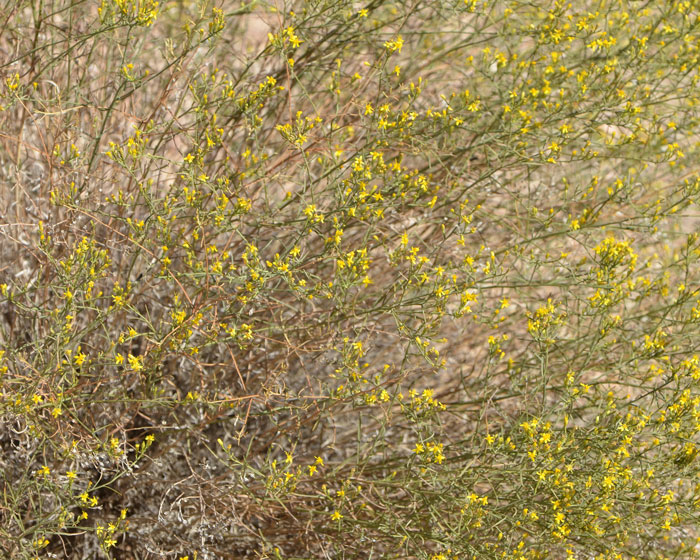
[328,279]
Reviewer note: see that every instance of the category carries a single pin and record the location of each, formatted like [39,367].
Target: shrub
[326,279]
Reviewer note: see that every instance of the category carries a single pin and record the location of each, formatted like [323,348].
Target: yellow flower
[395,44]
[136,362]
[79,358]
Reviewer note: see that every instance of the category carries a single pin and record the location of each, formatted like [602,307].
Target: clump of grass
[337,280]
